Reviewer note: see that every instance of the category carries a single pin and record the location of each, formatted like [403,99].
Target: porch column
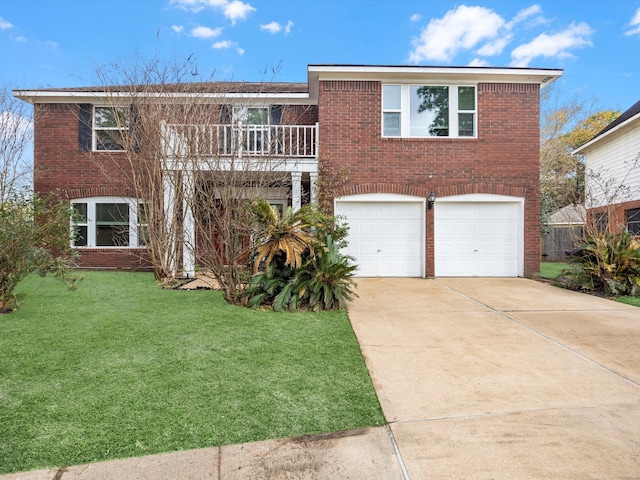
[188,227]
[313,186]
[296,190]
[169,209]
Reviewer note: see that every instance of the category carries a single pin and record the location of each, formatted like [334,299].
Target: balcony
[241,140]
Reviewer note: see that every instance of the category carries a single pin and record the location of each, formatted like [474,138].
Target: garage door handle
[378,251]
[475,250]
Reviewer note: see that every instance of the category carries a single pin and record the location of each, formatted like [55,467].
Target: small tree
[34,236]
[606,257]
[34,231]
[192,162]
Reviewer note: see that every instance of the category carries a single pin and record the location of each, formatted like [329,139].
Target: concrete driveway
[503,378]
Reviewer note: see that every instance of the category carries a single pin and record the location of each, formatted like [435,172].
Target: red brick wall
[503,159]
[617,214]
[59,164]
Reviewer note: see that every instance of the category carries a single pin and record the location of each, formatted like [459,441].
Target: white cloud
[460,29]
[234,10]
[494,47]
[478,62]
[4,24]
[523,14]
[227,44]
[177,28]
[634,24]
[206,32]
[223,45]
[20,38]
[273,27]
[416,17]
[237,10]
[12,123]
[558,45]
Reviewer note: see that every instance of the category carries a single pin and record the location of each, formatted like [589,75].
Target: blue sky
[61,43]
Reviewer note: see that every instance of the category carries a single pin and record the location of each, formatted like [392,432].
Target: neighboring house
[612,163]
[441,163]
[567,225]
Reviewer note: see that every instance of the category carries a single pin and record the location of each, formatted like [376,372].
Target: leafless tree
[193,168]
[16,135]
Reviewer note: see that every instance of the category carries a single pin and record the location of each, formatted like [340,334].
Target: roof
[291,91]
[627,117]
[569,215]
[298,92]
[195,87]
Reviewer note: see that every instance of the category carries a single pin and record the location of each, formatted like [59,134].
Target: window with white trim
[429,111]
[108,222]
[110,128]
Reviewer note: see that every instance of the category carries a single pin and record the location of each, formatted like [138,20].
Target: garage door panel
[385,238]
[477,238]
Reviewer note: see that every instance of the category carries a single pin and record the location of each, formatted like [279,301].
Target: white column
[314,184]
[169,192]
[296,190]
[188,226]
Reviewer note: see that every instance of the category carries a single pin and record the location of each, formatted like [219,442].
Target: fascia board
[44,96]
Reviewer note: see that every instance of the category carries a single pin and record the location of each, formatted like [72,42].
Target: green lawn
[630,300]
[122,368]
[550,270]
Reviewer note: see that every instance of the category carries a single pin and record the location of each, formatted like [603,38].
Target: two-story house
[612,163]
[440,164]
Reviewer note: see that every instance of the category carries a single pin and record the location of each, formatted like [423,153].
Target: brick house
[612,157]
[441,164]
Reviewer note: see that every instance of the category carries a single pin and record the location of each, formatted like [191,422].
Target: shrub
[34,235]
[300,261]
[606,262]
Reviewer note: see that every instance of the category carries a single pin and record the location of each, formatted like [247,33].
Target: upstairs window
[110,128]
[108,222]
[428,111]
[633,221]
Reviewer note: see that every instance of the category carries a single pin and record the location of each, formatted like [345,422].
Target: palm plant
[607,262]
[326,280]
[297,263]
[289,234]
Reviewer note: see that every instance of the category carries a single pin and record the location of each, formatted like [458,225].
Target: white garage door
[385,238]
[478,239]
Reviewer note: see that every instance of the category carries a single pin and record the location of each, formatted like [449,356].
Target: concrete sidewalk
[478,379]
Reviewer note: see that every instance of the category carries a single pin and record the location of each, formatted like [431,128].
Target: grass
[635,301]
[550,270]
[122,368]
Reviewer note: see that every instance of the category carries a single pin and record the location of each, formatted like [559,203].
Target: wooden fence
[558,241]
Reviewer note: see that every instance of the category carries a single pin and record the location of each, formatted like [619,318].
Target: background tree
[34,231]
[565,126]
[16,135]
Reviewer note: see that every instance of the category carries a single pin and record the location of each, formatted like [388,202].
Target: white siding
[612,162]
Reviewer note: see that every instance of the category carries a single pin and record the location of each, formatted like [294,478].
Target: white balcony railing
[293,141]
